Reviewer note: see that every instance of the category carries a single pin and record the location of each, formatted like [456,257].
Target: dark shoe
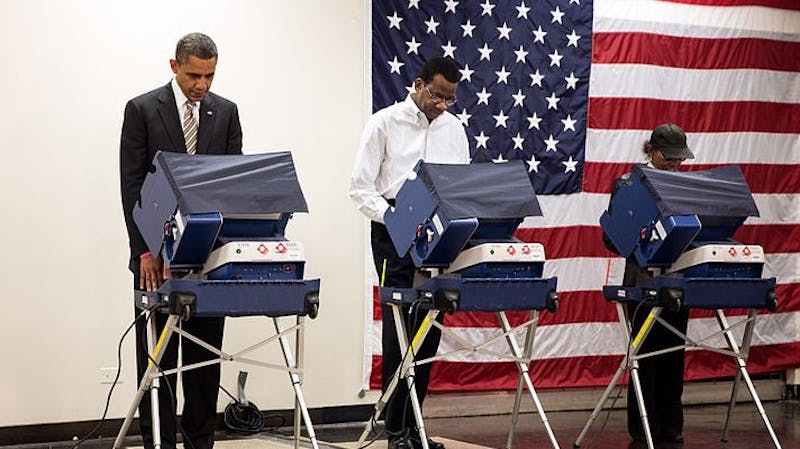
[415,441]
[400,443]
[674,439]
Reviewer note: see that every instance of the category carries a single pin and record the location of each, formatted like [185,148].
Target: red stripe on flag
[761,178]
[774,238]
[694,116]
[593,371]
[694,52]
[780,4]
[567,241]
[587,241]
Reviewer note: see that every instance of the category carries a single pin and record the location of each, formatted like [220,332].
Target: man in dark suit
[183,117]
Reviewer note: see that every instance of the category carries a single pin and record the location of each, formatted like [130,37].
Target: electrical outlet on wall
[107,376]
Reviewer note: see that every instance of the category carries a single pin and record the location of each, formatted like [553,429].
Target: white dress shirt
[394,139]
[180,99]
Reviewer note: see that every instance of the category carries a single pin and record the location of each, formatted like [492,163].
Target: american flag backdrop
[573,87]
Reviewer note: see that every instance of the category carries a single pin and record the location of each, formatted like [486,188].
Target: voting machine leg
[745,350]
[522,365]
[298,392]
[629,361]
[742,371]
[405,370]
[529,336]
[150,379]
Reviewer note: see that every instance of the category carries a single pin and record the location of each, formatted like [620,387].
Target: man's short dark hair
[442,66]
[195,44]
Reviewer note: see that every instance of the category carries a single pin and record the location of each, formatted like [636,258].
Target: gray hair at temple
[195,44]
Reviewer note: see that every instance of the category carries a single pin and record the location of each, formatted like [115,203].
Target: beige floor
[265,442]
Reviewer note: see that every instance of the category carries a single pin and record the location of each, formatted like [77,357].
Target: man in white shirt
[394,139]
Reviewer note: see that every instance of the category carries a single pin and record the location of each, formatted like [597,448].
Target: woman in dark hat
[661,376]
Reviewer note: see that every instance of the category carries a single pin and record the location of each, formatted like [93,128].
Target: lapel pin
[210,112]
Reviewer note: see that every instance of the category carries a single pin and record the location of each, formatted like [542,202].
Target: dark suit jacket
[152,124]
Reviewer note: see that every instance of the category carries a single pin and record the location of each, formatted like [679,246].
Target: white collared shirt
[180,99]
[394,139]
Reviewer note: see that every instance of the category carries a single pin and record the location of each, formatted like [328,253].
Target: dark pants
[200,386]
[398,414]
[661,377]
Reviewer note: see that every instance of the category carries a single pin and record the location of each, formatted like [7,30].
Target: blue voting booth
[683,224]
[218,222]
[680,226]
[461,219]
[458,223]
[224,219]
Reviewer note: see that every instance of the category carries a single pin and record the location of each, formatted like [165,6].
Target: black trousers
[661,376]
[200,386]
[398,414]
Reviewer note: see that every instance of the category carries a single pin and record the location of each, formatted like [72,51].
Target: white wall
[296,70]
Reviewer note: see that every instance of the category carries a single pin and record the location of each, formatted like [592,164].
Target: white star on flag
[533,121]
[502,75]
[481,140]
[572,81]
[451,6]
[538,35]
[555,58]
[468,27]
[569,123]
[572,39]
[432,24]
[395,65]
[505,32]
[464,117]
[413,45]
[449,49]
[394,21]
[466,73]
[551,143]
[518,98]
[533,165]
[536,78]
[552,101]
[483,96]
[486,52]
[570,165]
[522,11]
[521,53]
[499,159]
[518,140]
[557,15]
[487,8]
[500,120]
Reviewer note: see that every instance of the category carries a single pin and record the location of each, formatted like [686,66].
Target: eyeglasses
[437,99]
[671,159]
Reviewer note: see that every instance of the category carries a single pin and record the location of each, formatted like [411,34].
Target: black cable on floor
[113,384]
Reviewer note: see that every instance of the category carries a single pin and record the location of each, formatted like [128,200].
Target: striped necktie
[189,127]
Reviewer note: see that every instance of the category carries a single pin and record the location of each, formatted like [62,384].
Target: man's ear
[418,84]
[174,66]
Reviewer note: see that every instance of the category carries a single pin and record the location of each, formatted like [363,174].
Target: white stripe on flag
[740,147]
[669,83]
[650,16]
[604,339]
[584,209]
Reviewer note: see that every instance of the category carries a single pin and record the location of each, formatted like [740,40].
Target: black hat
[671,141]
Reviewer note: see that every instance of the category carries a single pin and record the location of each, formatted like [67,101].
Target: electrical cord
[411,318]
[115,382]
[247,418]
